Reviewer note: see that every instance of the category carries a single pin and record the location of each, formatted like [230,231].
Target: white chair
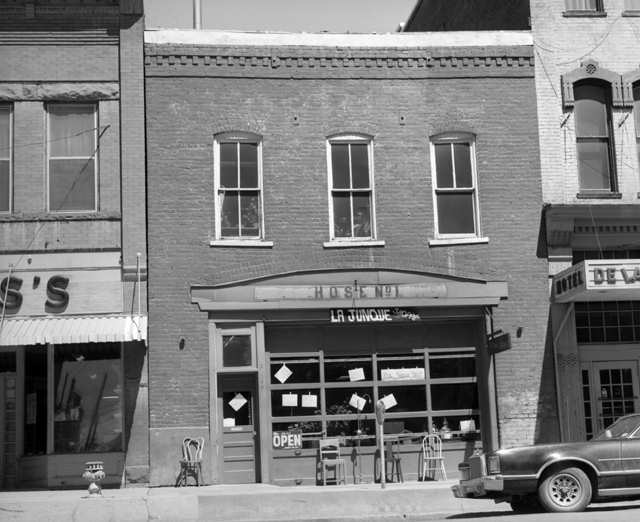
[432,459]
[330,459]
[191,462]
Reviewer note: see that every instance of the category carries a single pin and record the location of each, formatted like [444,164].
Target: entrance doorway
[239,397]
[610,390]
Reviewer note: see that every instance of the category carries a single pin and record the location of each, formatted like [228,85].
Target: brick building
[72,243]
[333,220]
[588,88]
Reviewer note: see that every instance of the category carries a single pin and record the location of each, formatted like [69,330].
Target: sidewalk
[243,503]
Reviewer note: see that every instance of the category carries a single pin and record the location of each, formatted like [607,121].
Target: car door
[606,455]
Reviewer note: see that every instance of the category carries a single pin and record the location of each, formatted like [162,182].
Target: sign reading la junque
[371,315]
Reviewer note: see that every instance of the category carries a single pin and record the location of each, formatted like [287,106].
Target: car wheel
[525,504]
[567,489]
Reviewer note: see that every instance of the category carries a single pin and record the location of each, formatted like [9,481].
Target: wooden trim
[264,404]
[50,398]
[215,437]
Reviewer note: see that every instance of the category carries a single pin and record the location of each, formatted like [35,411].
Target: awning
[73,329]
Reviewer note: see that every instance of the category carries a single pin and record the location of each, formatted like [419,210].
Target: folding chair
[330,459]
[191,462]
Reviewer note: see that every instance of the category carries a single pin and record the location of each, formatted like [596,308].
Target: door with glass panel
[610,391]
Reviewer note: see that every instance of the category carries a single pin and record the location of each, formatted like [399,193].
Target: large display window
[332,391]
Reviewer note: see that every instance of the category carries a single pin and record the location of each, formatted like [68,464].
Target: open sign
[287,439]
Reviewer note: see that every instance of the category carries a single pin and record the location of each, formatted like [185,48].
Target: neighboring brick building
[298,182]
[72,243]
[588,88]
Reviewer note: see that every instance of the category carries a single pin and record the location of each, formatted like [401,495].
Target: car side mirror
[608,434]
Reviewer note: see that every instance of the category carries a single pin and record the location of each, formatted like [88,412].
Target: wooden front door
[239,397]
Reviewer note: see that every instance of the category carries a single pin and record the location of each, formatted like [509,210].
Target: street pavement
[409,501]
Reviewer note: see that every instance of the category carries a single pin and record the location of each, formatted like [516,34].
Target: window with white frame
[455,193]
[238,186]
[72,157]
[6,140]
[584,5]
[351,198]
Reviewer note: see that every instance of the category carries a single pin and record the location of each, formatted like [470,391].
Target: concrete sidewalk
[244,503]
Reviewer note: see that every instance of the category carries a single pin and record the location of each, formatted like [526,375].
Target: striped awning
[73,329]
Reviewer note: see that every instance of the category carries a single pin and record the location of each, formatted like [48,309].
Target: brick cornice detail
[165,60]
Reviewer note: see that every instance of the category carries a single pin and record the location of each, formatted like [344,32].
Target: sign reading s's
[57,295]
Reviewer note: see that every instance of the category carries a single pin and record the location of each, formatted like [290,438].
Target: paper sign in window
[467,425]
[357,374]
[389,401]
[237,402]
[402,374]
[283,373]
[357,402]
[309,401]
[289,399]
[229,422]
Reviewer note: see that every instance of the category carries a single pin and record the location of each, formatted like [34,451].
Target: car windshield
[623,427]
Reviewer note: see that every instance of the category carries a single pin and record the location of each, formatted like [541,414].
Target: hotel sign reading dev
[596,280]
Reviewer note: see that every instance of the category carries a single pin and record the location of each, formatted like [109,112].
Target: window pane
[360,165]
[72,130]
[590,111]
[236,350]
[593,165]
[362,217]
[440,368]
[228,165]
[248,165]
[462,156]
[341,215]
[338,370]
[71,185]
[249,213]
[229,214]
[307,371]
[582,5]
[444,168]
[5,195]
[288,403]
[338,399]
[409,398]
[456,214]
[88,395]
[636,107]
[340,165]
[5,143]
[454,396]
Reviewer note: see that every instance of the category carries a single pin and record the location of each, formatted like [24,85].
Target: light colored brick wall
[560,44]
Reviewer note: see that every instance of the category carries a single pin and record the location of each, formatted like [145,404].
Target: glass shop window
[293,371]
[88,398]
[349,369]
[35,401]
[236,350]
[294,403]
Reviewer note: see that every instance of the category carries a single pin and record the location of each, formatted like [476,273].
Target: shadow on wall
[547,423]
[136,414]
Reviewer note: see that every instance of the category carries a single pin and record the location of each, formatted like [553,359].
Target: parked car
[558,477]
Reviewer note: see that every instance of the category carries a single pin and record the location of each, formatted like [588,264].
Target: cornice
[190,60]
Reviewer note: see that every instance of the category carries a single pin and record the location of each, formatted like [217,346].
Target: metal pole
[197,14]
[383,471]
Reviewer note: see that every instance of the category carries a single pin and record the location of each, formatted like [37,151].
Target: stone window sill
[253,243]
[584,14]
[354,243]
[458,241]
[50,216]
[599,195]
[631,12]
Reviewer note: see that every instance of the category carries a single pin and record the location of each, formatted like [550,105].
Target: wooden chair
[330,459]
[191,462]
[432,459]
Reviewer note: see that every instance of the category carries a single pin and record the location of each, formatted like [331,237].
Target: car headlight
[493,464]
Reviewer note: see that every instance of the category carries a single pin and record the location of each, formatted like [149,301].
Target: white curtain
[72,130]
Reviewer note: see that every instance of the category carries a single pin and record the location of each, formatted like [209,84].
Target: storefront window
[608,322]
[88,398]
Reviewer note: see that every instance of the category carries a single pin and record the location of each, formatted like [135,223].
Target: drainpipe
[197,14]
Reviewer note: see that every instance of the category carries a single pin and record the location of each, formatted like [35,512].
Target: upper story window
[589,6]
[6,140]
[238,186]
[594,136]
[72,157]
[455,194]
[351,195]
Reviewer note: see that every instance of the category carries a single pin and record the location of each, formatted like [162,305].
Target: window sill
[631,12]
[351,244]
[458,241]
[48,216]
[599,195]
[584,14]
[254,243]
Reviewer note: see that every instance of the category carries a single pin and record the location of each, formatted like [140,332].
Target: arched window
[594,136]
